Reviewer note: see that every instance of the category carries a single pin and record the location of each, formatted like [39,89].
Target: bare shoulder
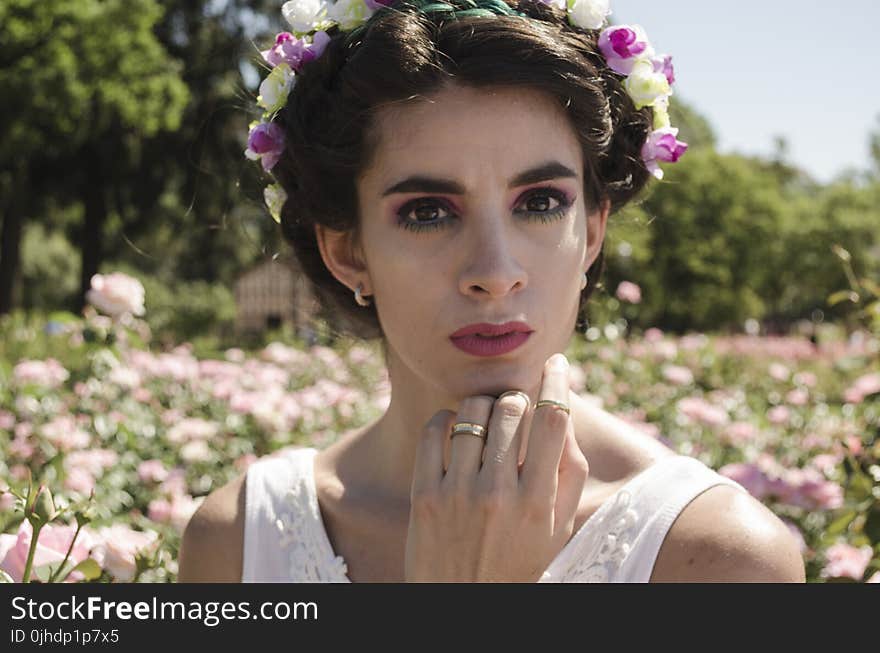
[726,535]
[213,541]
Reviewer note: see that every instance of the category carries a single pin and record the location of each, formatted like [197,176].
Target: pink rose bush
[150,433]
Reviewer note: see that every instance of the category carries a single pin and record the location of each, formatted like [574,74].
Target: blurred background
[738,319]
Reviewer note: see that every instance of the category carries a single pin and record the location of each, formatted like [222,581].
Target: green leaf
[840,524]
[842,296]
[871,286]
[88,568]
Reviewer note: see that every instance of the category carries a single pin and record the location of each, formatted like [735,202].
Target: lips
[487,329]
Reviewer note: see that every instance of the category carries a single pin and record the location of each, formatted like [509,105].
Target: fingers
[547,432]
[428,467]
[466,451]
[573,472]
[502,445]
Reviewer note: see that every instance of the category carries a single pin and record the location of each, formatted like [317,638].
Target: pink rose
[118,548]
[52,545]
[152,471]
[846,561]
[678,375]
[749,476]
[629,292]
[116,294]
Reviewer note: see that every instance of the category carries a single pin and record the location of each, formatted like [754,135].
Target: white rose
[115,294]
[646,87]
[588,14]
[276,87]
[349,13]
[304,15]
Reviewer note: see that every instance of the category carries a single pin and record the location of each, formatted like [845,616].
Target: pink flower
[116,294]
[798,397]
[52,545]
[64,433]
[739,433]
[195,451]
[118,547]
[779,371]
[295,52]
[623,45]
[663,63]
[48,374]
[159,510]
[678,375]
[152,471]
[662,145]
[629,292]
[79,480]
[846,561]
[779,415]
[863,386]
[699,410]
[749,475]
[653,335]
[265,142]
[805,378]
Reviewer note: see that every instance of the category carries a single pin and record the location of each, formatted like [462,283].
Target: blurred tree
[83,84]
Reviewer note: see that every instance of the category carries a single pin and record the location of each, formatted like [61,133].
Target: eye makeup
[563,200]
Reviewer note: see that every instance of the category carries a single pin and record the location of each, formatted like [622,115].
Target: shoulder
[725,535]
[213,540]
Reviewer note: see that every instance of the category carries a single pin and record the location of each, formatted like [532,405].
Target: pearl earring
[358,298]
[584,281]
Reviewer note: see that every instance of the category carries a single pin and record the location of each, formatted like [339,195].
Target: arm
[212,544]
[727,536]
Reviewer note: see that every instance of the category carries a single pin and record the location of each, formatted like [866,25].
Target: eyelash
[542,216]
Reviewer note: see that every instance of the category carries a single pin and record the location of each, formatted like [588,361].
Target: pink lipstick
[486,339]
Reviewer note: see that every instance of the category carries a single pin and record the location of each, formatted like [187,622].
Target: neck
[383,455]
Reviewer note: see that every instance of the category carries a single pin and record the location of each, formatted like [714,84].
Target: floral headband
[626,49]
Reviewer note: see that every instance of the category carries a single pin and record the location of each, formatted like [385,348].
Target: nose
[491,265]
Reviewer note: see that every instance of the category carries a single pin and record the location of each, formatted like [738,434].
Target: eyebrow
[421,184]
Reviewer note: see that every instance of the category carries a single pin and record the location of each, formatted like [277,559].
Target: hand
[486,519]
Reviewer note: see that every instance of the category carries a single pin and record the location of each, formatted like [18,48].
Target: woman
[445,176]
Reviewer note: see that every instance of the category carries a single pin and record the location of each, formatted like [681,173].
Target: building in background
[273,295]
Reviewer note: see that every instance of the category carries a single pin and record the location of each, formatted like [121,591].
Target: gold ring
[470,428]
[556,404]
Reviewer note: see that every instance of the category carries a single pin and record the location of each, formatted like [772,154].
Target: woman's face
[473,210]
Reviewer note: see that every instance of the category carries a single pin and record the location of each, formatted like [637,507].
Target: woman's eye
[541,203]
[427,212]
[423,214]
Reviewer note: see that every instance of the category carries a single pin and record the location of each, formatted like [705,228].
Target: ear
[343,256]
[596,223]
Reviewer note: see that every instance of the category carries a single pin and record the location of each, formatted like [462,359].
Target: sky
[805,70]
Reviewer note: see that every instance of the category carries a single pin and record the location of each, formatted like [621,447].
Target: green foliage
[73,70]
[184,310]
[725,238]
[49,268]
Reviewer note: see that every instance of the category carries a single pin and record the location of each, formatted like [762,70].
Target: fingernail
[559,362]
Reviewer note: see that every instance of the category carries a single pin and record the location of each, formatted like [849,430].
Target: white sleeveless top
[285,539]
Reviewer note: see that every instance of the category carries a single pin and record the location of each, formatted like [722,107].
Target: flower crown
[649,77]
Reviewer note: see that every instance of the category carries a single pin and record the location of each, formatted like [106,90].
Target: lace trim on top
[594,554]
[301,531]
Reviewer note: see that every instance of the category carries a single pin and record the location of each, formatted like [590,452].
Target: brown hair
[403,53]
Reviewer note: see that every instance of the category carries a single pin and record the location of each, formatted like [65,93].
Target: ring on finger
[469,428]
[555,404]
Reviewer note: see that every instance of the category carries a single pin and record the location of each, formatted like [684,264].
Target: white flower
[304,15]
[588,14]
[349,13]
[645,86]
[115,294]
[276,87]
